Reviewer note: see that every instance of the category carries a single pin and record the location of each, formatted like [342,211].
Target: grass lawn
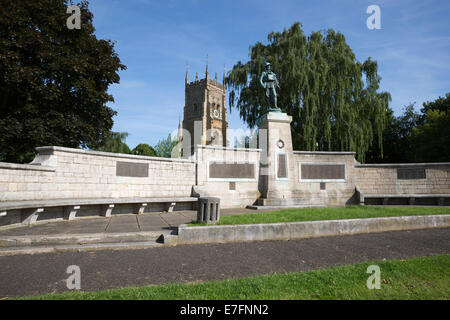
[418,278]
[314,214]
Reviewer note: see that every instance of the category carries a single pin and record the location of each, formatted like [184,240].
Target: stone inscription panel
[131,169]
[322,171]
[411,173]
[282,166]
[221,170]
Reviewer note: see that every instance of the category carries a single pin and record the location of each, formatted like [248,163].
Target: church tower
[205,112]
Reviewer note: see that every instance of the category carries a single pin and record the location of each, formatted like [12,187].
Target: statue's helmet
[266,64]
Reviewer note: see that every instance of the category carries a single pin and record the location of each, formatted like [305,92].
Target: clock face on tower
[216,113]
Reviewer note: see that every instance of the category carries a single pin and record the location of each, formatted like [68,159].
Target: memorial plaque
[131,169]
[411,173]
[322,171]
[282,166]
[232,186]
[221,170]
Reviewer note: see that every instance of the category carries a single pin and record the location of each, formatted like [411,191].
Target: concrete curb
[12,251]
[301,230]
[77,239]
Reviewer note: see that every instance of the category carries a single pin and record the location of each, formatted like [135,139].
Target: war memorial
[328,194]
[65,183]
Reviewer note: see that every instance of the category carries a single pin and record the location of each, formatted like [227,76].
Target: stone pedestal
[277,166]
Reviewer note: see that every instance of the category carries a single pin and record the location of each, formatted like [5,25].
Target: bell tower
[205,112]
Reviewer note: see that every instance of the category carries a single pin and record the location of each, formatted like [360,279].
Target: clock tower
[205,112]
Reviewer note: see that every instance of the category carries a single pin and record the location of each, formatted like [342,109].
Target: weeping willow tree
[115,142]
[333,98]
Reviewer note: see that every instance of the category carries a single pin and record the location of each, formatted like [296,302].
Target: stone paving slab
[175,221]
[91,225]
[82,226]
[190,215]
[151,222]
[123,223]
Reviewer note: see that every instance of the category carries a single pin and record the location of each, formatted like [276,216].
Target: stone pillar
[277,174]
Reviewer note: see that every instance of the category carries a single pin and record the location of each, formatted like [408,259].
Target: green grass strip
[418,278]
[315,214]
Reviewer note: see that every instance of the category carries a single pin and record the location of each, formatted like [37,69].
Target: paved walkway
[44,273]
[164,222]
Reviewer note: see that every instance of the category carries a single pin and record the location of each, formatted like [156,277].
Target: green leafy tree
[396,138]
[165,148]
[440,104]
[53,81]
[333,99]
[144,149]
[416,137]
[430,140]
[115,142]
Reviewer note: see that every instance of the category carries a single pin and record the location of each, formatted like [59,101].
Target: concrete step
[10,251]
[81,239]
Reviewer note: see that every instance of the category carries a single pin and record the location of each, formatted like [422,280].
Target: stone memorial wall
[229,173]
[233,174]
[59,173]
[420,178]
[325,178]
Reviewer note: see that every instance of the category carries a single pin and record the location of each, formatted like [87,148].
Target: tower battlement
[202,82]
[205,107]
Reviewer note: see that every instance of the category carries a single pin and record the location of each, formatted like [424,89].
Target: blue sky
[156,38]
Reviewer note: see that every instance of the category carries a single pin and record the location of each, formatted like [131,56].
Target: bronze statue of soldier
[269,81]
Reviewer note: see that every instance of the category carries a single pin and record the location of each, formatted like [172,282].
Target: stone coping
[228,148]
[401,165]
[334,153]
[14,205]
[50,149]
[301,230]
[18,166]
[274,117]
